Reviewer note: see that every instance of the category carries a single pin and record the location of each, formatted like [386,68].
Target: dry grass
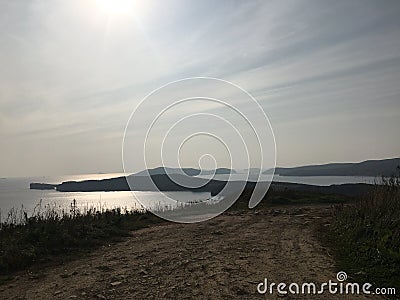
[366,235]
[49,231]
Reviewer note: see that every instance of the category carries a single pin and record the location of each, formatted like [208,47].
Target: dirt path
[224,258]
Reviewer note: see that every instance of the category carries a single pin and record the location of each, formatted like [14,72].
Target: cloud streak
[319,70]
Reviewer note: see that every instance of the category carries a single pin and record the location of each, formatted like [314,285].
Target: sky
[326,73]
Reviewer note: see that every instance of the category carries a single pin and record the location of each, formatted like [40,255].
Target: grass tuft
[48,232]
[365,235]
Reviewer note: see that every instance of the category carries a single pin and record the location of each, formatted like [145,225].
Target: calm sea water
[15,192]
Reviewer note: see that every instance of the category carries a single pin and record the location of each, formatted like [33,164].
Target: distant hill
[158,182]
[187,171]
[163,182]
[384,167]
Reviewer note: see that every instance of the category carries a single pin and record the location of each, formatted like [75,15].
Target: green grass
[365,236]
[288,197]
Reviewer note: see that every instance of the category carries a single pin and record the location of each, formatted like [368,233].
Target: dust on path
[223,258]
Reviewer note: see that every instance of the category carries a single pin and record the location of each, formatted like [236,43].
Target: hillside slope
[385,167]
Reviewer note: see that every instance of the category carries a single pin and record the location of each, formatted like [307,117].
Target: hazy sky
[327,73]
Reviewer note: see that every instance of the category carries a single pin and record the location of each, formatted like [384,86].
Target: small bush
[366,235]
[25,240]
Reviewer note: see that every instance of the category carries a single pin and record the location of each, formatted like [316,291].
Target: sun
[116,7]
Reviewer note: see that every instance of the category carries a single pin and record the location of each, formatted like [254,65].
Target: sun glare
[116,7]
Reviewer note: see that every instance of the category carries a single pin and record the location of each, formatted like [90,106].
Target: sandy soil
[224,258]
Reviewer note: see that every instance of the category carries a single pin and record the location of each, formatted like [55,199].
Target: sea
[15,193]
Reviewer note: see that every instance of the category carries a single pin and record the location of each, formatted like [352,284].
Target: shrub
[25,240]
[366,234]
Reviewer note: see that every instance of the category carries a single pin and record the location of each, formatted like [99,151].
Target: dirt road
[224,258]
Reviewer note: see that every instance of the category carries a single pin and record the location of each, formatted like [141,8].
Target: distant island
[187,171]
[168,183]
[185,179]
[371,168]
[42,186]
[160,178]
